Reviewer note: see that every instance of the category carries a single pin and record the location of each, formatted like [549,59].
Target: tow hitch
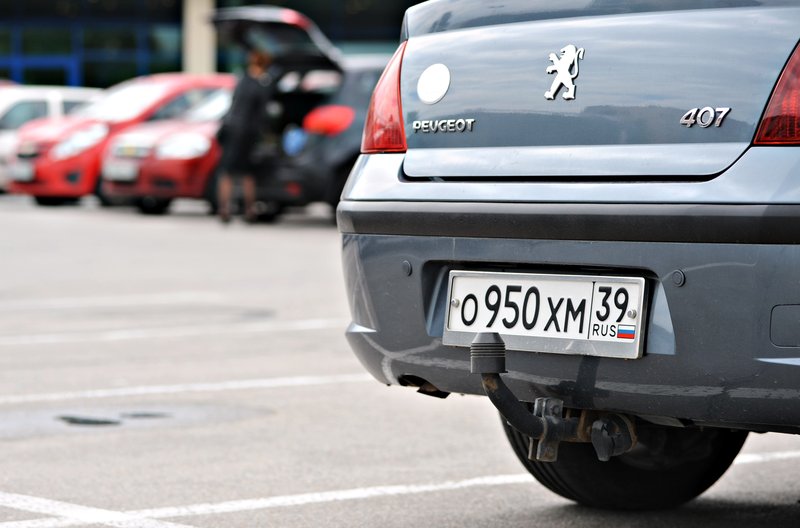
[610,434]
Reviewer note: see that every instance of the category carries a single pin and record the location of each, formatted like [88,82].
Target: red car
[157,162]
[58,160]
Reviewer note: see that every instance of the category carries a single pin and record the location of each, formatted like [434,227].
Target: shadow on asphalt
[702,513]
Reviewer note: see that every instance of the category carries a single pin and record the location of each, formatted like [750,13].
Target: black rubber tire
[54,201]
[153,206]
[668,467]
[268,212]
[102,197]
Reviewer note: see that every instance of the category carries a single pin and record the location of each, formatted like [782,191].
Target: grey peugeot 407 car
[591,214]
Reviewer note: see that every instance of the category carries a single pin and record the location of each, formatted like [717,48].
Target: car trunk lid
[289,37]
[635,78]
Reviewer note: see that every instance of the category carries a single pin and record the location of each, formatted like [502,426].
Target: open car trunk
[309,65]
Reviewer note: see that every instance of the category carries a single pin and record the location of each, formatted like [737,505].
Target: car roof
[181,81]
[18,91]
[185,78]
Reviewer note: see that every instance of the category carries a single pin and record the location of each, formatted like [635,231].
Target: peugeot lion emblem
[566,70]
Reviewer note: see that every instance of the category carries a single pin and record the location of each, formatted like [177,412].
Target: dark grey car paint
[724,370]
[721,344]
[449,15]
[640,74]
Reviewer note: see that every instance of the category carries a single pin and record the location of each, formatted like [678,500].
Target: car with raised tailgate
[58,160]
[319,155]
[318,105]
[590,214]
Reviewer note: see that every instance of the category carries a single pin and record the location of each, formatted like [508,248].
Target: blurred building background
[102,42]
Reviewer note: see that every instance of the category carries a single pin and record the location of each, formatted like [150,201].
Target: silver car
[20,104]
[590,213]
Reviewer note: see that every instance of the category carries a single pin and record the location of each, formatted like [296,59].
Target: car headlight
[183,146]
[80,141]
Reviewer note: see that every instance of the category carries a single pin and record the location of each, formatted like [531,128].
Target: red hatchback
[58,160]
[157,162]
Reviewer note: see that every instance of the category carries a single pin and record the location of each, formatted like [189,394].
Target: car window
[281,40]
[21,113]
[212,108]
[180,104]
[125,101]
[69,105]
[322,81]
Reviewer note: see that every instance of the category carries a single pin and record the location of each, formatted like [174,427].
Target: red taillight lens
[329,120]
[384,131]
[781,122]
[294,18]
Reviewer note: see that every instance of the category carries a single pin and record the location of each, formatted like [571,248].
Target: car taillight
[294,18]
[329,120]
[384,131]
[781,122]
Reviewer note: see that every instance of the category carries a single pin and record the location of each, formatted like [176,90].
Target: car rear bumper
[721,348]
[295,181]
[722,339]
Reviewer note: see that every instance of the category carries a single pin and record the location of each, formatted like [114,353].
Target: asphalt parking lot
[171,372]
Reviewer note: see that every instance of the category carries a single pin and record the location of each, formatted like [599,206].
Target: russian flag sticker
[626,332]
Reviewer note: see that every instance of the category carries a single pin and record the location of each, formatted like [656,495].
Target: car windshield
[212,108]
[125,101]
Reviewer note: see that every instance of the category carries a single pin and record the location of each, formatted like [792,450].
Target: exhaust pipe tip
[487,354]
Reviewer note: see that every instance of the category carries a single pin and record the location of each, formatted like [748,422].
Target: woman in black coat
[241,130]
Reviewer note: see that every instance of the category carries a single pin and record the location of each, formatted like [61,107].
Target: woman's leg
[249,192]
[224,192]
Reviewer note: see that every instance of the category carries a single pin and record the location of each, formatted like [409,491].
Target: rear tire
[102,197]
[669,466]
[153,206]
[54,201]
[267,212]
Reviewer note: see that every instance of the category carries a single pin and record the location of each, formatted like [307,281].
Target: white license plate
[561,314]
[21,171]
[120,170]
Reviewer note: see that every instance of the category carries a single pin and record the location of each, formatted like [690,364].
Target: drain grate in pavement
[100,422]
[84,420]
[144,415]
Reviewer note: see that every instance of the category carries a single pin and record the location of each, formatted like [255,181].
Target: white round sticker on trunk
[433,83]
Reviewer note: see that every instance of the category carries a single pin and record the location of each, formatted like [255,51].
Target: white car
[20,104]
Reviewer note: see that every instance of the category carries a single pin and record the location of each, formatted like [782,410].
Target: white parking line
[112,301]
[172,332]
[146,390]
[330,496]
[194,510]
[75,515]
[756,458]
[285,500]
